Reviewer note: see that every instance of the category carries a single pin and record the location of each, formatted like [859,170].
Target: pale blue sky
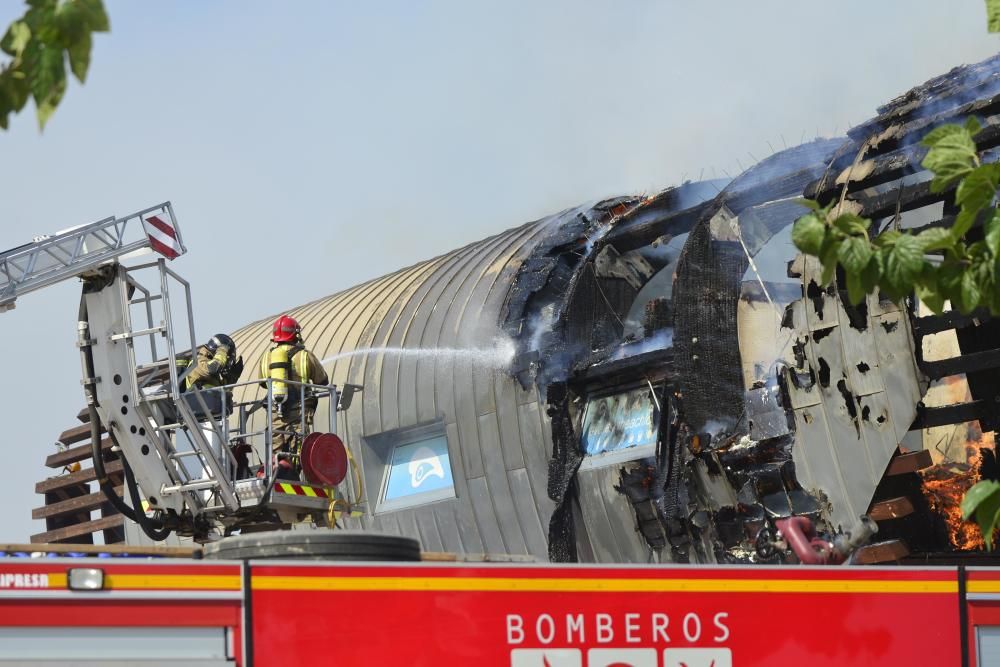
[345,140]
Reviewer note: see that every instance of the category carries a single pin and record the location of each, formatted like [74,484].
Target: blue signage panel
[418,468]
[617,422]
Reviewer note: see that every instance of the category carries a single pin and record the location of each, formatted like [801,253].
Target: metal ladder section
[165,408]
[139,418]
[139,403]
[50,259]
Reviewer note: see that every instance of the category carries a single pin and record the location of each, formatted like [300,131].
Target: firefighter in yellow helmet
[288,359]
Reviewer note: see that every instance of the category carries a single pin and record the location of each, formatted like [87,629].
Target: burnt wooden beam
[881,552]
[866,173]
[885,168]
[980,342]
[900,135]
[914,130]
[648,225]
[74,454]
[909,462]
[956,413]
[80,529]
[975,361]
[906,198]
[946,91]
[75,434]
[91,501]
[891,508]
[79,477]
[953,319]
[654,364]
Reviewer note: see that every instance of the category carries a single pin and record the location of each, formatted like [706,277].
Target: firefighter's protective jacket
[288,361]
[207,371]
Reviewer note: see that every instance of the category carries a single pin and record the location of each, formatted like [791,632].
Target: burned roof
[750,392]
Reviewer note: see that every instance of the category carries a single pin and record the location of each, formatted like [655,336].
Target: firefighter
[289,360]
[215,364]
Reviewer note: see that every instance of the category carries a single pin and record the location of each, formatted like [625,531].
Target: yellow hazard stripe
[159,581]
[173,581]
[982,586]
[549,585]
[310,491]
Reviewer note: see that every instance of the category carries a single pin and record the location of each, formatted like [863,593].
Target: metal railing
[248,421]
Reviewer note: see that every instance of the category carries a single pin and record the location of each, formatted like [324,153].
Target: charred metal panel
[849,423]
[710,275]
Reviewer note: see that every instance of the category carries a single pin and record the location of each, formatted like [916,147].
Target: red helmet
[286,330]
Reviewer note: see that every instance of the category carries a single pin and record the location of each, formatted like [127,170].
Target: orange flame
[944,486]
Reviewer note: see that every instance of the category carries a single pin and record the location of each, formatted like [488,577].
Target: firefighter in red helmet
[287,359]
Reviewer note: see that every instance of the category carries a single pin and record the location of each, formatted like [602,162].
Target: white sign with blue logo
[420,468]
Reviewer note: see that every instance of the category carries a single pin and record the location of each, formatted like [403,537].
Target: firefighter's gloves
[219,360]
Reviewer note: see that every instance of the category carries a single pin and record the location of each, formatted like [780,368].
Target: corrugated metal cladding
[497,432]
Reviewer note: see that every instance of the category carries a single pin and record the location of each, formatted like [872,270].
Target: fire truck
[62,611]
[198,464]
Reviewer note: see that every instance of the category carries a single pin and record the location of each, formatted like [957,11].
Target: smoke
[540,324]
[717,428]
[660,340]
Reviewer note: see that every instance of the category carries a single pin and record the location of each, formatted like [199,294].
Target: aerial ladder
[188,457]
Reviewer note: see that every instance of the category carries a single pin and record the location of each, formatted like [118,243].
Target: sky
[309,146]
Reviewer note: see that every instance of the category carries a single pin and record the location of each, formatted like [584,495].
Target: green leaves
[903,263]
[935,238]
[807,234]
[993,15]
[854,254]
[993,232]
[79,57]
[39,44]
[974,193]
[983,502]
[16,38]
[952,155]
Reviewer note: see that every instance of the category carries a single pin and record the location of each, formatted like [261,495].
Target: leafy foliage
[993,15]
[39,45]
[982,501]
[896,261]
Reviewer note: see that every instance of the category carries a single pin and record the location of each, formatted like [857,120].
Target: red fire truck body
[192,612]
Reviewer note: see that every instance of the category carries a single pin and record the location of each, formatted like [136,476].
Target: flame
[944,485]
